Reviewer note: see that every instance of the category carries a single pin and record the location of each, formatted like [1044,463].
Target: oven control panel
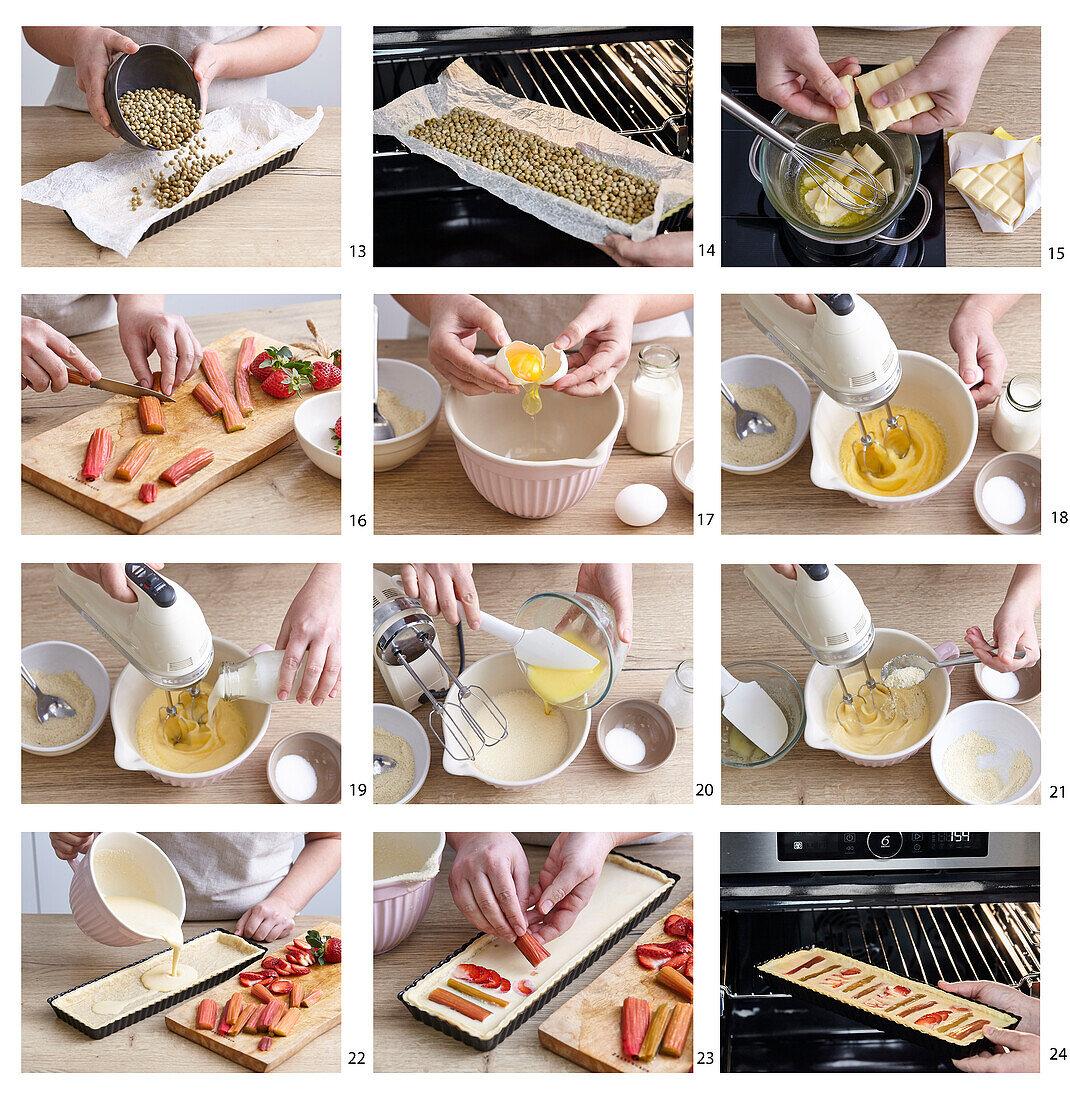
[805,847]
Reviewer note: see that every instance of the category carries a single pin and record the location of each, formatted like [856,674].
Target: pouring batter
[149,918]
[920,468]
[555,686]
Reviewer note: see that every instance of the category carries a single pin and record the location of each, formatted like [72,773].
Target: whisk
[872,700]
[871,456]
[842,178]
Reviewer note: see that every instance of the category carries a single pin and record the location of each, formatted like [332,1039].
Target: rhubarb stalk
[97,454]
[234,1007]
[187,466]
[136,457]
[479,994]
[265,1043]
[150,410]
[289,1020]
[450,1000]
[676,982]
[207,1014]
[654,1034]
[207,397]
[676,1033]
[241,375]
[233,420]
[531,949]
[634,1021]
[309,999]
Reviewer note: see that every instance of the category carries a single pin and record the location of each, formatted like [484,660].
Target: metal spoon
[916,660]
[748,421]
[382,428]
[381,763]
[48,706]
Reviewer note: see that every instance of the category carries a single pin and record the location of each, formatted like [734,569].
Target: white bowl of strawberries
[318,423]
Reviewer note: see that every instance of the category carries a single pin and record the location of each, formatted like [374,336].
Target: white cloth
[225,873]
[546,840]
[72,314]
[221,93]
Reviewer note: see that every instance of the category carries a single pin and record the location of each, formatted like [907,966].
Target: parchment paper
[974,150]
[96,193]
[459,86]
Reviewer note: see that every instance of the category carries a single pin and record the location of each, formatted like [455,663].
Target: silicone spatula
[748,707]
[539,647]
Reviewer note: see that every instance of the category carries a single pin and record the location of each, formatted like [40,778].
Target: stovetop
[754,235]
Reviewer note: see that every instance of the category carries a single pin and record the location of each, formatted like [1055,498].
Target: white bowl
[822,681]
[417,389]
[59,657]
[314,422]
[496,674]
[751,371]
[401,902]
[403,724]
[1008,727]
[132,689]
[928,385]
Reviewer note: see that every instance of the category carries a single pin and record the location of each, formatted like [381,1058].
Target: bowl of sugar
[1006,493]
[306,768]
[636,735]
[1020,686]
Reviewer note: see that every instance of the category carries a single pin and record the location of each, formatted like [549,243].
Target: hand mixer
[824,610]
[163,634]
[846,349]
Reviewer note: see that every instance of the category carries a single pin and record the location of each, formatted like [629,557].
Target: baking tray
[162,1005]
[180,213]
[877,1020]
[547,993]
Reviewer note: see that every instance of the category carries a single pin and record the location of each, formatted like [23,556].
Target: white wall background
[316,83]
[46,881]
[193,305]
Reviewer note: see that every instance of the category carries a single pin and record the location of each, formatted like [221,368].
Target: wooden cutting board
[53,460]
[586,1028]
[322,1016]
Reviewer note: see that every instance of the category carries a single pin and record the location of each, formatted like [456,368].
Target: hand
[787,571]
[1012,629]
[47,355]
[950,73]
[455,322]
[792,73]
[111,576]
[69,845]
[1018,1051]
[601,339]
[802,302]
[144,327]
[93,50]
[612,583]
[313,624]
[270,919]
[982,362]
[663,250]
[489,882]
[567,881]
[207,62]
[441,587]
[1003,997]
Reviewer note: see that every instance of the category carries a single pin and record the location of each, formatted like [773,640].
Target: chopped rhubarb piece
[224,1028]
[655,1032]
[271,1013]
[634,1021]
[287,1022]
[252,1025]
[234,1007]
[450,1000]
[675,981]
[309,999]
[243,1019]
[531,949]
[207,1014]
[804,965]
[207,397]
[233,420]
[241,379]
[916,1008]
[967,1031]
[150,410]
[261,993]
[187,466]
[97,454]
[148,492]
[676,1033]
[136,457]
[296,993]
[477,992]
[265,1043]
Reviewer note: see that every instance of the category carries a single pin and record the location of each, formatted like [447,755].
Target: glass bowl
[785,691]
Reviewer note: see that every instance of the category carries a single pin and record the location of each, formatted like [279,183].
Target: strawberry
[324,376]
[268,360]
[337,435]
[282,383]
[302,945]
[299,971]
[325,951]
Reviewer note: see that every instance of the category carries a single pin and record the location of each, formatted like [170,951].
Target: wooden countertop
[662,638]
[402,1042]
[1008,95]
[291,218]
[935,602]
[57,956]
[787,500]
[243,603]
[286,494]
[431,493]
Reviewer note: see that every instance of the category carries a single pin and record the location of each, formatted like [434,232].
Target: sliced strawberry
[525,987]
[652,955]
[247,981]
[689,968]
[504,985]
[468,972]
[299,971]
[678,946]
[678,962]
[270,962]
[281,986]
[678,926]
[302,945]
[282,967]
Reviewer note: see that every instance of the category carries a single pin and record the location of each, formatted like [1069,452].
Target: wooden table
[431,493]
[1008,96]
[244,603]
[57,956]
[402,1043]
[787,500]
[286,494]
[290,218]
[935,602]
[662,638]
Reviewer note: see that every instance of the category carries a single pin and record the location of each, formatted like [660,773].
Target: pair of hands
[144,327]
[972,335]
[1017,1051]
[792,73]
[267,920]
[490,882]
[600,336]
[448,588]
[312,625]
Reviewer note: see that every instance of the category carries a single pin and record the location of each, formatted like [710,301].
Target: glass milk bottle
[655,401]
[1016,425]
[677,696]
[255,678]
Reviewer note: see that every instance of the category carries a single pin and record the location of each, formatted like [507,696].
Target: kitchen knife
[748,707]
[112,385]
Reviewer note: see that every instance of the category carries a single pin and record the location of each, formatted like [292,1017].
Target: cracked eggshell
[505,357]
[556,364]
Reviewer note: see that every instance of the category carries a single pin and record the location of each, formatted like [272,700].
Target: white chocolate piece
[998,187]
[847,116]
[882,117]
[869,158]
[886,180]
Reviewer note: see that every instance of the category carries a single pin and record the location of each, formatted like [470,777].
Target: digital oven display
[804,847]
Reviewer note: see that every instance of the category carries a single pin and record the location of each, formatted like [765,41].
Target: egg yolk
[555,686]
[525,363]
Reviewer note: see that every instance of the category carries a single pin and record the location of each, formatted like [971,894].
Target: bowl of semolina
[411,399]
[777,391]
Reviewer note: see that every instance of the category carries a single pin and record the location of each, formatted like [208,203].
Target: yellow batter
[149,918]
[876,732]
[840,216]
[921,467]
[193,741]
[561,685]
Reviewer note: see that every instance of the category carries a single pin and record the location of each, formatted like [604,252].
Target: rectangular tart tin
[541,996]
[888,1024]
[162,1005]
